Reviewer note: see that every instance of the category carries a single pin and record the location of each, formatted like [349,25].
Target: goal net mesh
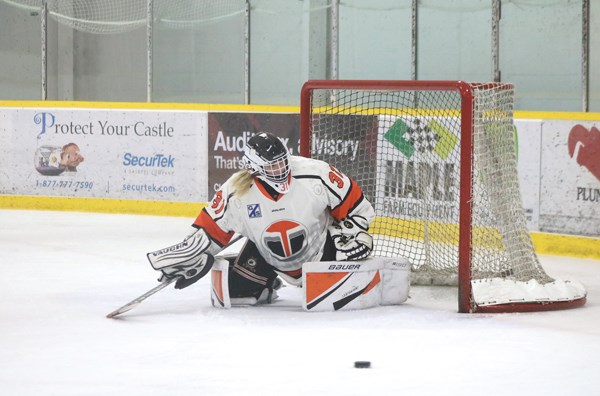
[403,148]
[118,16]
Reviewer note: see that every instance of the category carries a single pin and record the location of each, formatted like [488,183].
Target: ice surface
[61,273]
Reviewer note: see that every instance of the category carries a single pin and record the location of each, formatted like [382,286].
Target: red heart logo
[587,144]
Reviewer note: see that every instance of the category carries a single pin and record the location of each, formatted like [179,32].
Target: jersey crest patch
[254,210]
[285,239]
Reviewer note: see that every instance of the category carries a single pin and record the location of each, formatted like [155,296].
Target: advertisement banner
[229,132]
[570,180]
[419,165]
[353,153]
[529,152]
[103,153]
[418,175]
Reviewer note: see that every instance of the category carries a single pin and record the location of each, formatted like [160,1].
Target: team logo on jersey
[285,239]
[254,210]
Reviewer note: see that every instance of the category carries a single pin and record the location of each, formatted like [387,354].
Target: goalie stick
[136,301]
[133,303]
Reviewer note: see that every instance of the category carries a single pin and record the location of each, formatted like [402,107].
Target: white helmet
[268,159]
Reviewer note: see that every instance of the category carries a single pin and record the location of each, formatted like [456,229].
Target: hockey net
[437,160]
[119,16]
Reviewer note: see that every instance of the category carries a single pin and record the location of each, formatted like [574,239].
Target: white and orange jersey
[291,229]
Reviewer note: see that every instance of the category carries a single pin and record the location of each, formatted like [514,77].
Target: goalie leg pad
[248,280]
[220,297]
[219,277]
[349,285]
[395,281]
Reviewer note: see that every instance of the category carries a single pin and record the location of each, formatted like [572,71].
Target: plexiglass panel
[284,53]
[540,52]
[105,67]
[454,40]
[594,63]
[375,40]
[212,51]
[20,53]
[198,51]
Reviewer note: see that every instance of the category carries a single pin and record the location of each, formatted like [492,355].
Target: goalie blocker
[336,285]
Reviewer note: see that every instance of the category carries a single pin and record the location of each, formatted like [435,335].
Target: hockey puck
[362,364]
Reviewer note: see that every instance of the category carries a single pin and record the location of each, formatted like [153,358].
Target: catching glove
[351,239]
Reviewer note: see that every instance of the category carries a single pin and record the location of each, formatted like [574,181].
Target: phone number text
[65,184]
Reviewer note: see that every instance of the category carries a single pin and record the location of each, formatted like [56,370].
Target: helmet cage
[274,171]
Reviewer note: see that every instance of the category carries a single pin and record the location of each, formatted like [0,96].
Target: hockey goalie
[304,222]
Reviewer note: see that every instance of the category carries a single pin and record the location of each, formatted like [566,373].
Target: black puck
[362,364]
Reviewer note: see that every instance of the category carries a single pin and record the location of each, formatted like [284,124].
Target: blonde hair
[241,182]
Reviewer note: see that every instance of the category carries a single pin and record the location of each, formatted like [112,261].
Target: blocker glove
[351,239]
[189,272]
[188,260]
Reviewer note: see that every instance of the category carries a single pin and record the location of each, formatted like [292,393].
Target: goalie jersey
[291,229]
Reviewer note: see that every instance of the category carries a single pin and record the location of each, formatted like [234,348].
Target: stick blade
[123,309]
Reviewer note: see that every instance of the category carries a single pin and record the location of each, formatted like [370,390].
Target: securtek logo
[421,136]
[584,147]
[153,161]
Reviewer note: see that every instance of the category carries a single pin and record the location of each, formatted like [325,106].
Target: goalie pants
[250,274]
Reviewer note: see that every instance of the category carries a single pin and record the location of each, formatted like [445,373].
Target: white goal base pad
[498,291]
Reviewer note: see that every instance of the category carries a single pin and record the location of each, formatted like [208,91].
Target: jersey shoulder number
[336,178]
[218,203]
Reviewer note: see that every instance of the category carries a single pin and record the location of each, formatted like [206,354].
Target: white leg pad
[352,285]
[219,277]
[395,281]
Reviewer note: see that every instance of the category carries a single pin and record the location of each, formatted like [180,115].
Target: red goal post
[437,160]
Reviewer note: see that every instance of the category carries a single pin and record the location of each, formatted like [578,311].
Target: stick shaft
[133,303]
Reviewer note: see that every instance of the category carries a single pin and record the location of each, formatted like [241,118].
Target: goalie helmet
[268,159]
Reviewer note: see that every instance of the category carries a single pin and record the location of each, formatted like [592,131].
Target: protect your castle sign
[103,153]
